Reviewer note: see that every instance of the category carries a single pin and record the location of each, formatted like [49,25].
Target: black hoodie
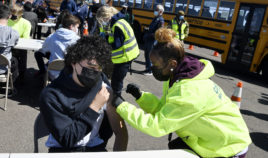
[64,105]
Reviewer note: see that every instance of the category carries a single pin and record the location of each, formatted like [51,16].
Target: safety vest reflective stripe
[175,27]
[122,52]
[125,27]
[130,40]
[129,50]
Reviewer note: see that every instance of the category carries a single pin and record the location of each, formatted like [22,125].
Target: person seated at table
[42,10]
[8,39]
[76,106]
[23,27]
[31,16]
[57,43]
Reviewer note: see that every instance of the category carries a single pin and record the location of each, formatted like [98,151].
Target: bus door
[245,35]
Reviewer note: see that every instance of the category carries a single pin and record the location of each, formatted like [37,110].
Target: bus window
[242,19]
[194,7]
[181,5]
[138,3]
[156,2]
[115,2]
[147,4]
[130,3]
[226,10]
[169,5]
[122,2]
[209,8]
[256,23]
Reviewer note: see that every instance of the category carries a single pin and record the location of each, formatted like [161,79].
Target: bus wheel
[265,70]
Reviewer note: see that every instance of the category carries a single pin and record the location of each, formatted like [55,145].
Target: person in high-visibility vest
[123,41]
[180,26]
[192,105]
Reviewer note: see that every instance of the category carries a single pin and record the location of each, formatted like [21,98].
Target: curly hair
[168,46]
[90,47]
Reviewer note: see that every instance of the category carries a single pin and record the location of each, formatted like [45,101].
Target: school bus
[238,29]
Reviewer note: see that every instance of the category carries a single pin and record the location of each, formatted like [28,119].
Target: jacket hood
[64,34]
[116,17]
[207,72]
[192,68]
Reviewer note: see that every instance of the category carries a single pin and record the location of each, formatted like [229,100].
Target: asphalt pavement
[17,122]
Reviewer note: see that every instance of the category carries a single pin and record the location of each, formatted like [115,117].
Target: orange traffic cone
[191,47]
[85,31]
[236,97]
[216,54]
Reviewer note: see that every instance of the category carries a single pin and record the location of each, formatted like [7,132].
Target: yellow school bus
[238,29]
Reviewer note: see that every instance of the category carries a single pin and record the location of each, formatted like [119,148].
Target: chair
[40,130]
[4,62]
[56,65]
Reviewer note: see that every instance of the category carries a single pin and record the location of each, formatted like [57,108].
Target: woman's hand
[100,99]
[134,90]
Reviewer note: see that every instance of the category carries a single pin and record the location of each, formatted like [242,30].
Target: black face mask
[157,73]
[14,17]
[88,77]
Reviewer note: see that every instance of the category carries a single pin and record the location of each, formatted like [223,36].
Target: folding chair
[40,130]
[56,65]
[5,77]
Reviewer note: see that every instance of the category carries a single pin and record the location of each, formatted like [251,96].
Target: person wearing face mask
[23,26]
[193,106]
[180,26]
[148,38]
[76,106]
[123,41]
[55,45]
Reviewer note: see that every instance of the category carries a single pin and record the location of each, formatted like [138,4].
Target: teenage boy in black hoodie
[76,106]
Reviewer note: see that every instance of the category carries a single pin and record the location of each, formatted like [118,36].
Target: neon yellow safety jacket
[197,110]
[130,49]
[183,33]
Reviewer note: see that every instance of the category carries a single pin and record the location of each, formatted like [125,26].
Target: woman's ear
[173,63]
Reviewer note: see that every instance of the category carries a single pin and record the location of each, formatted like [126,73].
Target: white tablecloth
[29,44]
[129,154]
[47,24]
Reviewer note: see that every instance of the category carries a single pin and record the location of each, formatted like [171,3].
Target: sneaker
[148,74]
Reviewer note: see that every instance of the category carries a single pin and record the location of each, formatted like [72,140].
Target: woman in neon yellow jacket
[192,105]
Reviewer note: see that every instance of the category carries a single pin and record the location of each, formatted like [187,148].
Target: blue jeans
[119,73]
[147,48]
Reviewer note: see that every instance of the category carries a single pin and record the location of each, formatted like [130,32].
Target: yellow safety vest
[130,49]
[175,27]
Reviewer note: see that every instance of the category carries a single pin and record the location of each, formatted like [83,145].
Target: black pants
[119,73]
[14,69]
[99,148]
[178,143]
[40,61]
[21,56]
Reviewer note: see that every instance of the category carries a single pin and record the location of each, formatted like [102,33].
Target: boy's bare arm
[118,126]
